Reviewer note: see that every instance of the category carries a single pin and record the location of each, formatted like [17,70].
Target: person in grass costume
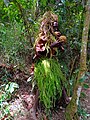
[46,69]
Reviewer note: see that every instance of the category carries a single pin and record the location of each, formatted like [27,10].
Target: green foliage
[83,78]
[15,46]
[10,87]
[17,8]
[71,16]
[6,92]
[12,44]
[71,24]
[70,21]
[44,3]
[17,29]
[49,79]
[82,112]
[4,76]
[83,95]
[85,86]
[11,12]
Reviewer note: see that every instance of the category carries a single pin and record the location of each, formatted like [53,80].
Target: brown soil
[20,107]
[22,102]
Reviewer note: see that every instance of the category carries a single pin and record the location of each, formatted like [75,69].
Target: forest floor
[21,103]
[19,107]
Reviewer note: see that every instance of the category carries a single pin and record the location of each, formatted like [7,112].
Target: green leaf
[44,2]
[83,95]
[7,86]
[12,87]
[86,86]
[82,79]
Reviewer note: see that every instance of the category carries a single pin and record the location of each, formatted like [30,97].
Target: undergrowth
[82,112]
[13,44]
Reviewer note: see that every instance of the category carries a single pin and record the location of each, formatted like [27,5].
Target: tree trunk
[71,109]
